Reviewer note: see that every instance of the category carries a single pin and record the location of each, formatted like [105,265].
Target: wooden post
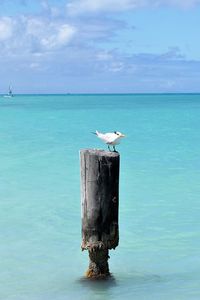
[100,201]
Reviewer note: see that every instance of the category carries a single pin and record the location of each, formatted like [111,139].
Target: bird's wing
[110,137]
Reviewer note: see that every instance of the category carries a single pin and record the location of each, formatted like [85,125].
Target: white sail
[10,93]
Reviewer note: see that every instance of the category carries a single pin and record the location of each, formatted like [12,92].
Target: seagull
[110,138]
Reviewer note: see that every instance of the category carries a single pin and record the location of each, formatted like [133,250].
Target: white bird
[110,138]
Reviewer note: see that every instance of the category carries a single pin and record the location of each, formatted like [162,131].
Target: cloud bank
[97,6]
[75,42]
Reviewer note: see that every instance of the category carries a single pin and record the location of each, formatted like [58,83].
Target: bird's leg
[109,147]
[114,150]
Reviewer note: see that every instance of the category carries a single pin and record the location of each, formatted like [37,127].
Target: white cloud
[34,26]
[58,36]
[6,28]
[34,65]
[116,66]
[82,6]
[96,6]
[49,35]
[23,35]
[65,33]
[103,56]
[179,3]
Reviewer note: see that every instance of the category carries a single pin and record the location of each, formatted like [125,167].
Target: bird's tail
[96,132]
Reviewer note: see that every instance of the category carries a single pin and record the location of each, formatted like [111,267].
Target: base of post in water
[98,266]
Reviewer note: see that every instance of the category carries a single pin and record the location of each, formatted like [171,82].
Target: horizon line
[108,93]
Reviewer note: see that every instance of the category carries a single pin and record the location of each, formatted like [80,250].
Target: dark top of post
[100,152]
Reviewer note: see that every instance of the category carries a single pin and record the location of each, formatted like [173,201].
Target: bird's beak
[122,135]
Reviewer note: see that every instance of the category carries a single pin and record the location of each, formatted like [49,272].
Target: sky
[100,46]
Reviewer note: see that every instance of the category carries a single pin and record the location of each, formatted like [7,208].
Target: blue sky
[100,46]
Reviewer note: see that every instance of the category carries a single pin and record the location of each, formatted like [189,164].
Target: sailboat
[10,93]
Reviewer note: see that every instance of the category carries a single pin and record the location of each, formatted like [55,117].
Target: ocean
[159,214]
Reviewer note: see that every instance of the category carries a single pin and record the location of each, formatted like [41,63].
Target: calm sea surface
[158,255]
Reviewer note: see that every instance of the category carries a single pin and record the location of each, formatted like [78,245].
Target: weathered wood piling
[100,202]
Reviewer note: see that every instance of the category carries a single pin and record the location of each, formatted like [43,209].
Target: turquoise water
[158,255]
